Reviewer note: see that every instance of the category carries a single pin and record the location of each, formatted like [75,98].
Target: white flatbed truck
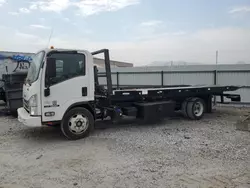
[62,88]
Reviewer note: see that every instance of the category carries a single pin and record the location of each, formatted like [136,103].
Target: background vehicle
[13,70]
[62,88]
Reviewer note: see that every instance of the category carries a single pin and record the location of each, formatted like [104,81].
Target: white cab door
[73,83]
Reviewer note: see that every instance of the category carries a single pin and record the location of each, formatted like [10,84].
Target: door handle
[47,92]
[84,91]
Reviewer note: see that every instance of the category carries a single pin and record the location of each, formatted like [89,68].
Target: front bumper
[25,118]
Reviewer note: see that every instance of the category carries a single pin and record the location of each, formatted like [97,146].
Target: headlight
[33,105]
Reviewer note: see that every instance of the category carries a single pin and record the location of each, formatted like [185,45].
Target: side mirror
[50,73]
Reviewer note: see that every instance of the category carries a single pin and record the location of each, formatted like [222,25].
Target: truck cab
[57,81]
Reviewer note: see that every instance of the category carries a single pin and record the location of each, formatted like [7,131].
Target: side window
[68,65]
[59,68]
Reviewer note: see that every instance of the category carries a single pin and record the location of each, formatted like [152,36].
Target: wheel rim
[78,124]
[198,109]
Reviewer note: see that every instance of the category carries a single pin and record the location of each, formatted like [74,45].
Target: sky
[135,31]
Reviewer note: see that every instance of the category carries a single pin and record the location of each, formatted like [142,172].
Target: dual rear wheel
[193,108]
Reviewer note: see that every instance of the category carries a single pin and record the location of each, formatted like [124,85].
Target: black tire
[191,114]
[184,107]
[14,113]
[65,127]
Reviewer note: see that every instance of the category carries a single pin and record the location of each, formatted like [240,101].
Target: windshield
[33,71]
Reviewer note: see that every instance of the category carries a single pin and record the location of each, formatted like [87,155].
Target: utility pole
[217,55]
[215,73]
[171,66]
[216,67]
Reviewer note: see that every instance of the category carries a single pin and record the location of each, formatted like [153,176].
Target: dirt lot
[174,153]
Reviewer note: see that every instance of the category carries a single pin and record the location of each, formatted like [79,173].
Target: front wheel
[77,123]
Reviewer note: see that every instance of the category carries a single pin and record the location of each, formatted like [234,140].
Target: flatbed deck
[151,102]
[212,88]
[177,94]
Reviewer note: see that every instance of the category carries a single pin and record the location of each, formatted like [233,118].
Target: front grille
[26,105]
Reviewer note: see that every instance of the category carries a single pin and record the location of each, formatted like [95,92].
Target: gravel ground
[174,153]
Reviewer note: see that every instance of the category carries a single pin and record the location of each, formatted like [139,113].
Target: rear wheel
[184,107]
[77,123]
[195,108]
